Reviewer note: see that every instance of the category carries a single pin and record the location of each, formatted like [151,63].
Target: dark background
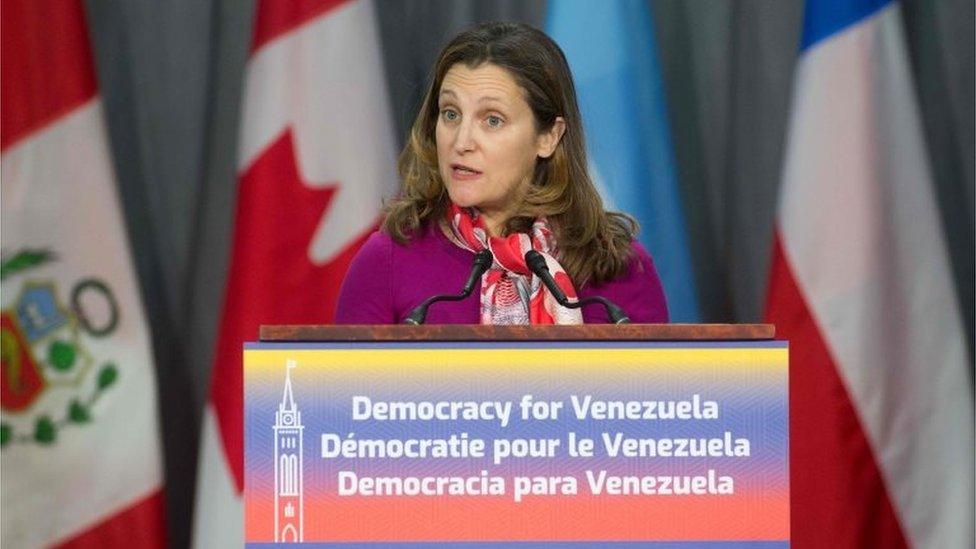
[170,74]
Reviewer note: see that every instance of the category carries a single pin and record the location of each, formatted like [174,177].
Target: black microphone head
[536,262]
[483,261]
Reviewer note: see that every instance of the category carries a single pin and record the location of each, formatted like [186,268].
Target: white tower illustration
[288,428]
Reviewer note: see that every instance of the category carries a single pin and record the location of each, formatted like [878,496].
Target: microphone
[537,264]
[482,262]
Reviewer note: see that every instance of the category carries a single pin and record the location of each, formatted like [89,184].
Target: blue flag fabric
[613,55]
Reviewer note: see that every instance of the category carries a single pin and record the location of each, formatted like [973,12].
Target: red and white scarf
[510,293]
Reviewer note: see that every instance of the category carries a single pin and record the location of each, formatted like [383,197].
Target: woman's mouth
[460,172]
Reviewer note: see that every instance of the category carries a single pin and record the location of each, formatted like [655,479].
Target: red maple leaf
[271,279]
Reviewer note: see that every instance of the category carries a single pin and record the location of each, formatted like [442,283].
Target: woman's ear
[549,139]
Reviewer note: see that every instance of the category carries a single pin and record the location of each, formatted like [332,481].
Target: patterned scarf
[510,293]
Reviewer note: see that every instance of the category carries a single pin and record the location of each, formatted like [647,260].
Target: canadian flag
[881,413]
[79,434]
[316,158]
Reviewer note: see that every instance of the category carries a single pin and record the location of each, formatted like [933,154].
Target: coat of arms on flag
[43,344]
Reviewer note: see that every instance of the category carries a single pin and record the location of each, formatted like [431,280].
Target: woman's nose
[464,140]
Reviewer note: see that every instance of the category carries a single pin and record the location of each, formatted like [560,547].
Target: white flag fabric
[81,461]
[316,157]
[881,405]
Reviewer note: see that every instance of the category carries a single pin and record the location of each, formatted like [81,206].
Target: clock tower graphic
[288,429]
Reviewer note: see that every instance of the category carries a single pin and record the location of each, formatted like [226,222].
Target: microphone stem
[537,265]
[482,262]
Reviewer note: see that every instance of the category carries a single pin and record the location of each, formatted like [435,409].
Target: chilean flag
[881,413]
[316,157]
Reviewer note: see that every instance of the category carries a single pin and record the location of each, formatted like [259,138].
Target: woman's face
[487,143]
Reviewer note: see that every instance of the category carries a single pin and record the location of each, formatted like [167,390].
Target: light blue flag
[613,55]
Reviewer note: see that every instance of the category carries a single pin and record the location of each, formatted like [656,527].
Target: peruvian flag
[316,158]
[881,415]
[79,433]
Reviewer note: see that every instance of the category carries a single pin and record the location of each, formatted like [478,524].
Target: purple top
[387,280]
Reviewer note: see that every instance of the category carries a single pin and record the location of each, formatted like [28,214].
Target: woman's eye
[494,121]
[450,115]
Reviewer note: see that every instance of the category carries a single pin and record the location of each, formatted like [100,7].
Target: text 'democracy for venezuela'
[685,444]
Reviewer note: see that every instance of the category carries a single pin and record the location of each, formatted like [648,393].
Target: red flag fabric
[316,157]
[81,461]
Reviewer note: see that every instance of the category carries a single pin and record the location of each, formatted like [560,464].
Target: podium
[443,435]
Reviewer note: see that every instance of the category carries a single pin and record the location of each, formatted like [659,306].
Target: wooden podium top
[474,332]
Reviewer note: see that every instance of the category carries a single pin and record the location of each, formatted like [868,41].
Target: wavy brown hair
[594,244]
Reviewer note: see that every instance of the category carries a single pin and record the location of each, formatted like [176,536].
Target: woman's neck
[494,223]
[496,218]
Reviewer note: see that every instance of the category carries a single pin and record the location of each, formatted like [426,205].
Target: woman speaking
[496,160]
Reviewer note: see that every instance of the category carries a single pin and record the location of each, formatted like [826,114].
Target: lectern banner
[450,444]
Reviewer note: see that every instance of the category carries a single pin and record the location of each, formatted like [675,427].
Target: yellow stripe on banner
[504,361]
